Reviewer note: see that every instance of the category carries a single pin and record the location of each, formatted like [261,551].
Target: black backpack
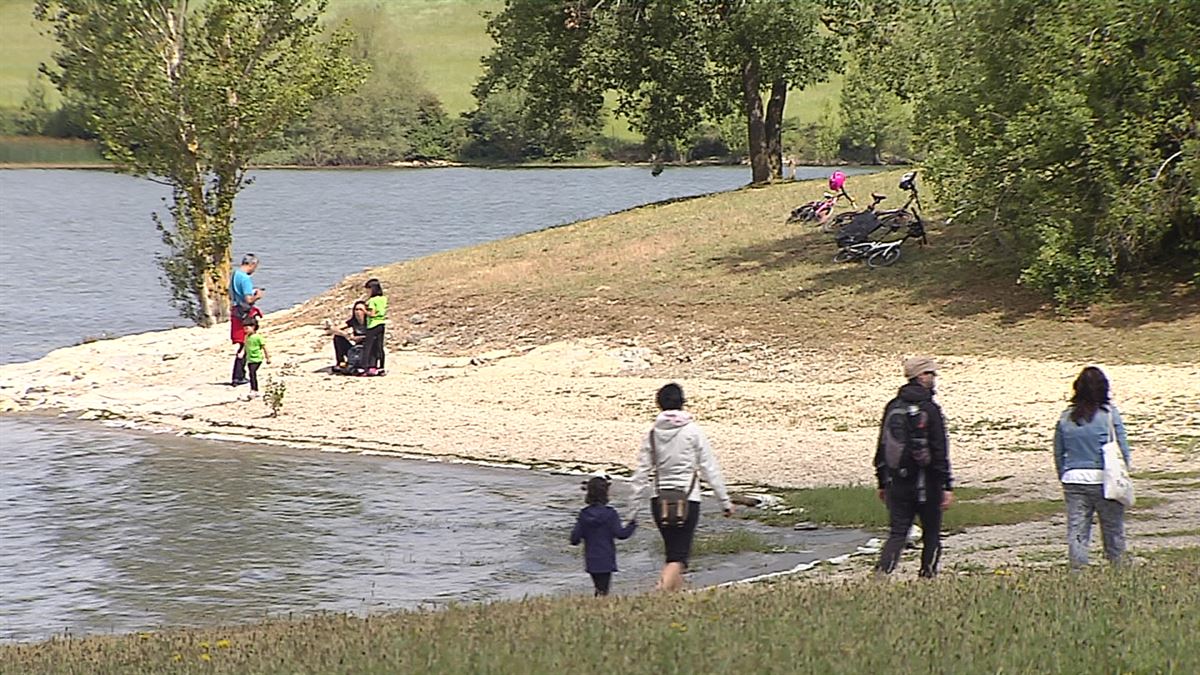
[906,438]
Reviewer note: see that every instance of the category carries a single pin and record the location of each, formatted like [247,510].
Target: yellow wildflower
[222,644]
[205,657]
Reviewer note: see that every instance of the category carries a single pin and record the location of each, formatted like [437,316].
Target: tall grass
[42,150]
[859,506]
[1140,620]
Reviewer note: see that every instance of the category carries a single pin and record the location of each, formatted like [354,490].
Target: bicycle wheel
[845,255]
[883,258]
[802,214]
[896,220]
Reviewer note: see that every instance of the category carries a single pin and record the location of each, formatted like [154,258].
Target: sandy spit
[584,404]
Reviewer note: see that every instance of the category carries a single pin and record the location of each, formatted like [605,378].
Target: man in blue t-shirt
[242,296]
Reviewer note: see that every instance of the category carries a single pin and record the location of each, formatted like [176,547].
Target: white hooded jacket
[683,451]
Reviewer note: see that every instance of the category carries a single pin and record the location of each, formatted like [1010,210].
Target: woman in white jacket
[679,455]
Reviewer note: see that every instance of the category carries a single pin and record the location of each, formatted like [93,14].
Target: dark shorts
[677,540]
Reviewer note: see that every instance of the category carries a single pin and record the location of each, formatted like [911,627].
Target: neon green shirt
[254,348]
[376,306]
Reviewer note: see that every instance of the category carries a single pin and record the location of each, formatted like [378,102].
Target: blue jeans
[1084,501]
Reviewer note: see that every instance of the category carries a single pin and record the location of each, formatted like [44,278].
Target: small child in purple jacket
[598,525]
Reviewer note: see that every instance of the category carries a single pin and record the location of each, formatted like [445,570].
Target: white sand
[584,404]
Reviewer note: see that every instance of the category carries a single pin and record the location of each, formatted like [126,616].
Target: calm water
[77,248]
[105,530]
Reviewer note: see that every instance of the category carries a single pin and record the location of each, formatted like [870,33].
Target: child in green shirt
[255,352]
[376,320]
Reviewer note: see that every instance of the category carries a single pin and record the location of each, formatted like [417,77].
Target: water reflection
[113,531]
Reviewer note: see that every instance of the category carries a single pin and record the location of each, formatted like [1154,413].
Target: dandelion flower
[222,644]
[205,657]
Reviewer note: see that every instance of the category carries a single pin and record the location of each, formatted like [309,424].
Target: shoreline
[544,350]
[451,408]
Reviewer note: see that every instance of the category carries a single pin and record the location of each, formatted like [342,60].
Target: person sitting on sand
[349,334]
[597,527]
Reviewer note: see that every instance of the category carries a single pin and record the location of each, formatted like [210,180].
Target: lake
[113,530]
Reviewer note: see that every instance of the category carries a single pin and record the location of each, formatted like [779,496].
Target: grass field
[698,267]
[444,38]
[1141,620]
[34,150]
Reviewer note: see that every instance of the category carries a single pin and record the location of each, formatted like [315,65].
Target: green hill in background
[445,39]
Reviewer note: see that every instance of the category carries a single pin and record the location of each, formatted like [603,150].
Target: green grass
[1190,532]
[622,276]
[726,543]
[857,506]
[1013,621]
[445,40]
[1164,475]
[33,150]
[22,48]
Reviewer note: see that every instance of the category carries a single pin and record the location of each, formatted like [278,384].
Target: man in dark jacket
[912,466]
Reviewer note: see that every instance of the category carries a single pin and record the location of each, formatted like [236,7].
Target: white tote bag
[1117,483]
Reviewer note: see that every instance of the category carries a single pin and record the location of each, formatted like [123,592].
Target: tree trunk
[214,296]
[774,126]
[760,167]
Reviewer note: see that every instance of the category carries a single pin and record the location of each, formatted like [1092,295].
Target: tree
[672,64]
[186,96]
[390,117]
[1069,130]
[873,117]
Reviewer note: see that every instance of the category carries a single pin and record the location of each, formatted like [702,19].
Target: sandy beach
[777,418]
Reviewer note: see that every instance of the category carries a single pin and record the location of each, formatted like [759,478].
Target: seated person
[349,336]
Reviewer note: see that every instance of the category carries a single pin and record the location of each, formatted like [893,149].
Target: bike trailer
[858,230]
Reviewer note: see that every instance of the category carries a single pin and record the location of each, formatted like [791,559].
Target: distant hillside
[445,38]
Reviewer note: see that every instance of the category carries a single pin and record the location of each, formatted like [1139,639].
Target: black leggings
[253,375]
[602,581]
[677,541]
[341,349]
[903,508]
[373,347]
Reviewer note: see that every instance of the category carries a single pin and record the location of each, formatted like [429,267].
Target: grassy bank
[1142,620]
[42,151]
[696,275]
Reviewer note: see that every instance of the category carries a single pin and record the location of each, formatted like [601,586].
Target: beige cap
[915,365]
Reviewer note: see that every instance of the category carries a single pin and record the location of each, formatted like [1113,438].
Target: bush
[1071,130]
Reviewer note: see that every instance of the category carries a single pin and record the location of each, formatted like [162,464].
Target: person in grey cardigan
[1079,437]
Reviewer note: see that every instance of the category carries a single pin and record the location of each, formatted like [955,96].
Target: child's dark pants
[601,580]
[253,375]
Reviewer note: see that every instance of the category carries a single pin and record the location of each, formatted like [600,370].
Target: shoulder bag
[1118,486]
[672,504]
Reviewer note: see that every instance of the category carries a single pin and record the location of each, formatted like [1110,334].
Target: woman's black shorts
[677,540]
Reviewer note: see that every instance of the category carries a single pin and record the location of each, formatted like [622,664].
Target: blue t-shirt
[240,287]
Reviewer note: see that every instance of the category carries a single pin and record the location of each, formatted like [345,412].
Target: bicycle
[819,210]
[853,242]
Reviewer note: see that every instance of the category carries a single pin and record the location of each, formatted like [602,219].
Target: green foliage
[188,96]
[875,122]
[390,117]
[673,64]
[1141,620]
[273,392]
[1069,129]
